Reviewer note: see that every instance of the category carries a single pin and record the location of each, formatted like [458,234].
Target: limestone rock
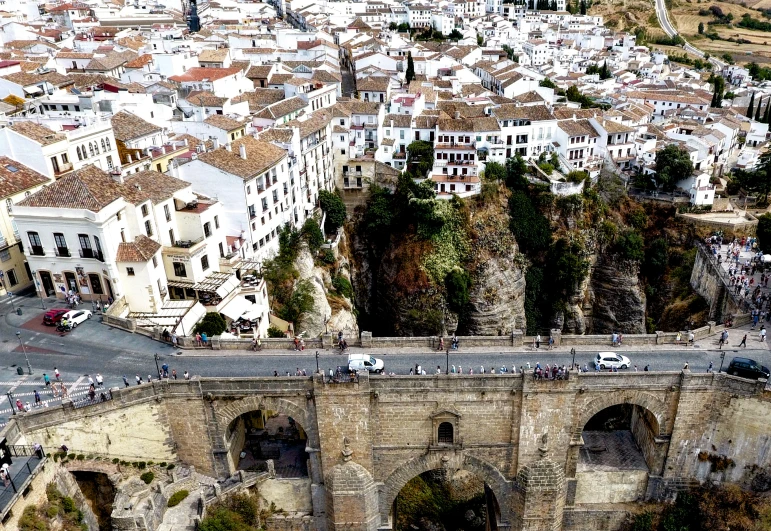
[618,299]
[497,298]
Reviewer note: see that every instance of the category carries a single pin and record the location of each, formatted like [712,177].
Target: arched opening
[256,437]
[445,499]
[618,454]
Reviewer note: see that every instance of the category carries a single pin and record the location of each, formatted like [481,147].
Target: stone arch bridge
[555,454]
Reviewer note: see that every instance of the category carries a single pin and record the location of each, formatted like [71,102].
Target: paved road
[94,348]
[669,29]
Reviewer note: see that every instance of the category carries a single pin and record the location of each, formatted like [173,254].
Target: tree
[630,246]
[553,5]
[455,35]
[457,283]
[334,208]
[763,232]
[410,74]
[582,7]
[548,83]
[758,113]
[701,28]
[311,232]
[403,27]
[495,171]
[718,82]
[767,114]
[480,40]
[516,170]
[213,324]
[393,26]
[757,180]
[752,104]
[672,165]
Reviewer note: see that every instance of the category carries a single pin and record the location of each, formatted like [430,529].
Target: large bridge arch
[435,460]
[231,410]
[637,398]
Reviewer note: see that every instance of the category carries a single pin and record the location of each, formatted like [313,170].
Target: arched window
[91,148]
[107,142]
[103,148]
[83,149]
[445,433]
[96,147]
[80,155]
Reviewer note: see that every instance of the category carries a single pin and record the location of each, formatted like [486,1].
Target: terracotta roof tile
[260,156]
[156,186]
[226,123]
[15,177]
[128,126]
[89,188]
[142,249]
[200,73]
[37,132]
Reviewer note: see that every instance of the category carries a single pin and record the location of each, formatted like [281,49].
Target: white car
[611,360]
[75,317]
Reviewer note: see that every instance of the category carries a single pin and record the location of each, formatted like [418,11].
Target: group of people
[164,374]
[454,343]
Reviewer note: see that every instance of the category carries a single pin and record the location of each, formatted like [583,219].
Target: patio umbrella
[767,258]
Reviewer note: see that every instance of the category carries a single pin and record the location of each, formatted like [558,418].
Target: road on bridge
[95,348]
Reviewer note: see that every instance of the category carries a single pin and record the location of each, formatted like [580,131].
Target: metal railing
[91,253]
[62,251]
[187,244]
[18,480]
[99,397]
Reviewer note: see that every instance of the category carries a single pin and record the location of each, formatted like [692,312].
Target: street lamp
[24,350]
[37,285]
[317,362]
[158,369]
[573,352]
[722,357]
[447,362]
[10,401]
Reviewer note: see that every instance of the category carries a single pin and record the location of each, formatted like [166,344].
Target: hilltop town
[153,155]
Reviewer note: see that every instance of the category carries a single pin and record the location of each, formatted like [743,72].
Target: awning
[237,307]
[255,312]
[229,285]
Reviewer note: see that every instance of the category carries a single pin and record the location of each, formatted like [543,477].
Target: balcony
[26,462]
[90,253]
[454,146]
[400,155]
[36,250]
[62,168]
[62,251]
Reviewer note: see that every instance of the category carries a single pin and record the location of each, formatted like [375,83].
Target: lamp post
[317,362]
[573,352]
[447,362]
[24,350]
[722,357]
[10,401]
[157,368]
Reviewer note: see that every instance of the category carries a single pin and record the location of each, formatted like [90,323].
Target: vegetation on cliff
[717,508]
[58,512]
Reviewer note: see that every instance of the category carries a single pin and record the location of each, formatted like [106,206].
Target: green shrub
[68,504]
[163,464]
[630,246]
[116,460]
[71,456]
[213,324]
[457,283]
[52,511]
[328,256]
[80,457]
[275,332]
[177,498]
[147,477]
[141,465]
[334,207]
[312,234]
[342,286]
[171,466]
[31,521]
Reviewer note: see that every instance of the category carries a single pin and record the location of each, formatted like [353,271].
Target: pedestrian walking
[187,375]
[744,342]
[438,370]
[125,380]
[441,343]
[690,338]
[174,339]
[139,379]
[99,380]
[685,367]
[551,342]
[57,375]
[65,393]
[709,369]
[37,398]
[19,405]
[90,381]
[538,341]
[198,340]
[47,380]
[173,374]
[55,390]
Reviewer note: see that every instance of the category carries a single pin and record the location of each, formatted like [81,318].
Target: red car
[52,317]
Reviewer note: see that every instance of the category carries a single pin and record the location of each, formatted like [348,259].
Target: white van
[360,362]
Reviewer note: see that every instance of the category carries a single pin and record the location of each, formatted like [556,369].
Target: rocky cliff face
[324,316]
[616,297]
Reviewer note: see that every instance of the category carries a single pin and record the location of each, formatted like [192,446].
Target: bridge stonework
[366,440]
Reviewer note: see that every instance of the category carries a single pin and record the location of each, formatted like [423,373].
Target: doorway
[71,281]
[48,284]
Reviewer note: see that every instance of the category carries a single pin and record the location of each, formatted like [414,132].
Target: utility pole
[24,350]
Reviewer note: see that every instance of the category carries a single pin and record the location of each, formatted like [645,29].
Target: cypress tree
[752,104]
[582,7]
[760,107]
[410,74]
[767,115]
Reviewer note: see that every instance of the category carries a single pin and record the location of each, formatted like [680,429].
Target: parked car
[611,360]
[747,368]
[75,317]
[360,362]
[53,317]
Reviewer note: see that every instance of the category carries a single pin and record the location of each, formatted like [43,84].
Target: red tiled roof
[201,73]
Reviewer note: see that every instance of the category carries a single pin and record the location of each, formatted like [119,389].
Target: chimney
[216,142]
[457,115]
[186,142]
[228,147]
[574,117]
[242,151]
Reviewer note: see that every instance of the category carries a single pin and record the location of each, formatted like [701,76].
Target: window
[34,239]
[65,158]
[96,284]
[5,255]
[107,142]
[401,134]
[155,261]
[85,241]
[103,146]
[171,236]
[144,210]
[205,262]
[207,229]
[179,269]
[445,433]
[11,276]
[167,212]
[248,190]
[9,205]
[216,222]
[130,271]
[80,155]
[148,228]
